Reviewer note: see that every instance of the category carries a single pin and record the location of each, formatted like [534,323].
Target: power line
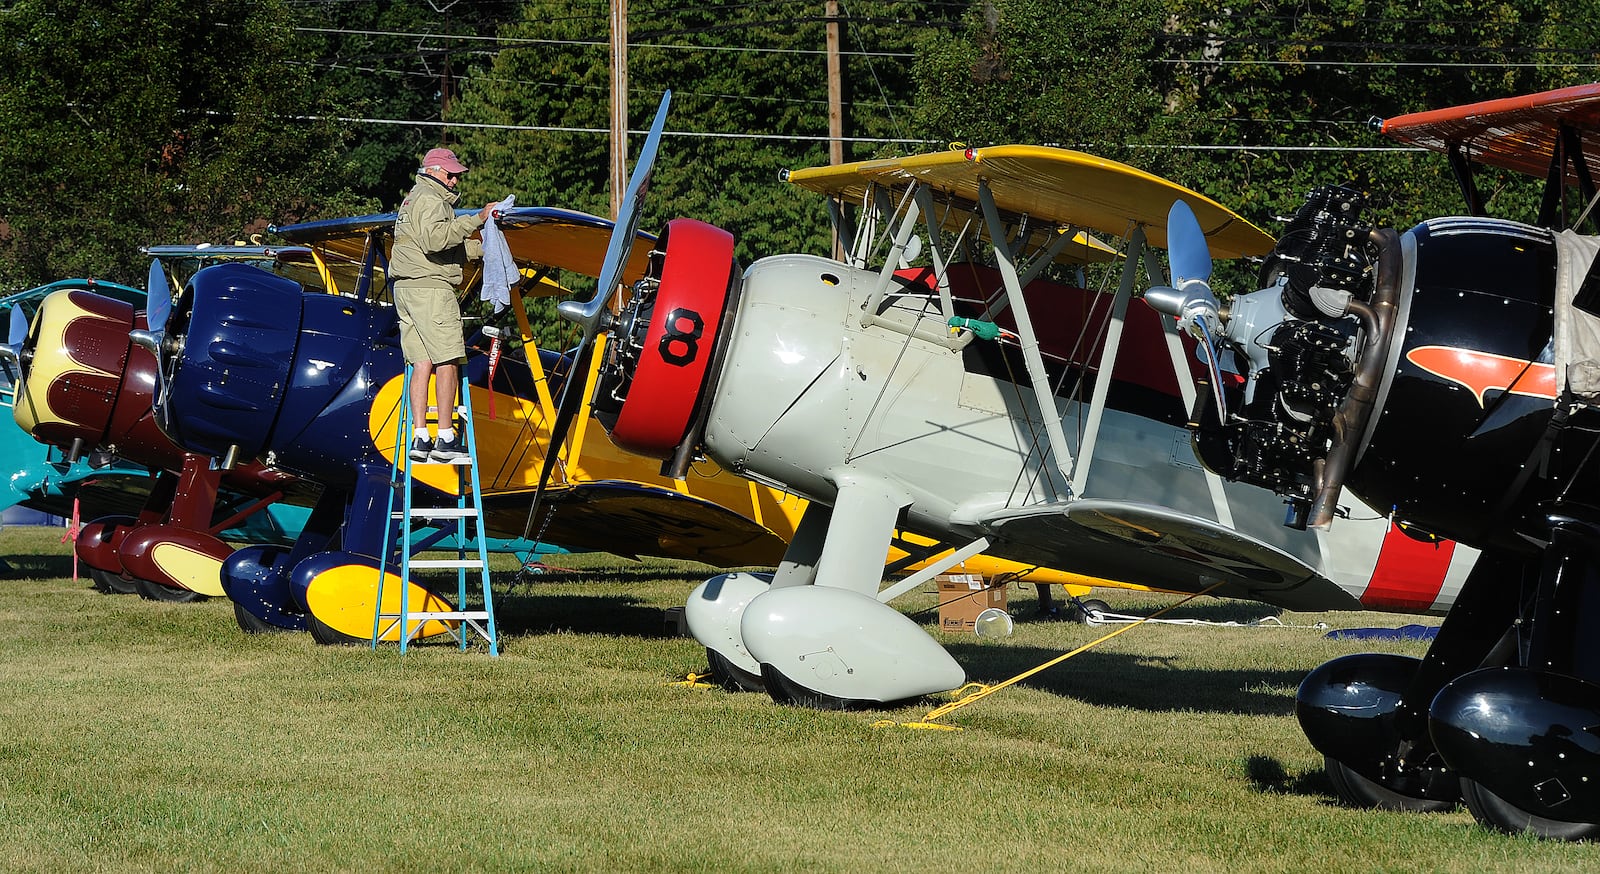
[515,41]
[538,128]
[1337,63]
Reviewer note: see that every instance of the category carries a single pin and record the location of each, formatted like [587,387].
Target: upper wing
[559,238]
[629,518]
[1516,133]
[1054,186]
[1162,548]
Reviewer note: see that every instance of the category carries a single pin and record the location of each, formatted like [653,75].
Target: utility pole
[835,105]
[835,88]
[619,104]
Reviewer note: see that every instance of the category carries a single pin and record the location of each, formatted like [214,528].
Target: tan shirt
[431,242]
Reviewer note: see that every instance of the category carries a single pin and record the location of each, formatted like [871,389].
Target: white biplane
[941,380]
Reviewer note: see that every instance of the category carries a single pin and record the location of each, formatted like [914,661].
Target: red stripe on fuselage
[1482,371]
[1409,574]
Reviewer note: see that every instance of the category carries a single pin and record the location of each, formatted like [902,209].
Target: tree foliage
[749,101]
[1291,91]
[149,121]
[152,121]
[1022,71]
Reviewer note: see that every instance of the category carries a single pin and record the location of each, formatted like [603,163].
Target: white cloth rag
[499,268]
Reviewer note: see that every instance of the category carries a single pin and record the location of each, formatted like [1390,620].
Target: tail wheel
[1084,610]
[668,339]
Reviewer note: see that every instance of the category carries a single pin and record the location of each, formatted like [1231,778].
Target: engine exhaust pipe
[1350,422]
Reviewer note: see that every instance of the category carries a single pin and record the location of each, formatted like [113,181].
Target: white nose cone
[845,646]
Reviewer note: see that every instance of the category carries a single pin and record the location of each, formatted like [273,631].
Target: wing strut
[1108,358]
[869,314]
[1029,341]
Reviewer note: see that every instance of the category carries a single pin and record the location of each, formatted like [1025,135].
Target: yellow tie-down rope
[694,681]
[979,691]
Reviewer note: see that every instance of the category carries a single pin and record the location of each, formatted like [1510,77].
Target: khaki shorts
[430,324]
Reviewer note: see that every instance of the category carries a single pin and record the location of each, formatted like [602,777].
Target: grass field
[141,736]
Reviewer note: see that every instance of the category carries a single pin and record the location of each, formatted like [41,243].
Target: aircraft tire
[111,583]
[153,591]
[786,691]
[250,623]
[730,676]
[1084,608]
[1499,814]
[1358,791]
[322,633]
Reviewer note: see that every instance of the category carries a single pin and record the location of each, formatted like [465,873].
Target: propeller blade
[10,353]
[1186,245]
[590,315]
[622,234]
[158,298]
[19,327]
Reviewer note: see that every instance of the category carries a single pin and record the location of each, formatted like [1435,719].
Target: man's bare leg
[445,379]
[420,371]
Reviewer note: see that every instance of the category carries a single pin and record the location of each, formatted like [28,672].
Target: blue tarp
[1404,632]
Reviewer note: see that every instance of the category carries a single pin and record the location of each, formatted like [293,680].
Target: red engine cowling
[668,341]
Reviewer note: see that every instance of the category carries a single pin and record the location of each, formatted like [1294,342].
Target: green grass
[140,736]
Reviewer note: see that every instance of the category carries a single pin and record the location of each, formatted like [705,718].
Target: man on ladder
[431,247]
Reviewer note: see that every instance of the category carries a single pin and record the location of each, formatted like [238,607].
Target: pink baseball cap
[444,159]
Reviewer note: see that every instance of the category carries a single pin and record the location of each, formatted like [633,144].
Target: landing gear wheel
[1497,813]
[1359,791]
[732,677]
[252,623]
[170,594]
[111,583]
[327,636]
[1083,609]
[786,691]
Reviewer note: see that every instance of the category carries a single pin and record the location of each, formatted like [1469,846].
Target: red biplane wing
[1515,133]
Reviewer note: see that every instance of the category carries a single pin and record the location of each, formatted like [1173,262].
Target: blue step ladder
[468,511]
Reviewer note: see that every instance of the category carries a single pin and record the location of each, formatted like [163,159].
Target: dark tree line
[150,121]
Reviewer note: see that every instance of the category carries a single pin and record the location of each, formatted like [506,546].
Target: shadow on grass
[1267,776]
[529,612]
[1143,682]
[525,583]
[36,567]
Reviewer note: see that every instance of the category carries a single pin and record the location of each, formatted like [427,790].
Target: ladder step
[433,615]
[439,513]
[445,562]
[479,621]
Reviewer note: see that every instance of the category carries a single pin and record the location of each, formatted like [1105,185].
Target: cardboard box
[962,597]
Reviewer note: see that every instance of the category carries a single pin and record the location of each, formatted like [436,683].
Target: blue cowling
[348,350]
[239,326]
